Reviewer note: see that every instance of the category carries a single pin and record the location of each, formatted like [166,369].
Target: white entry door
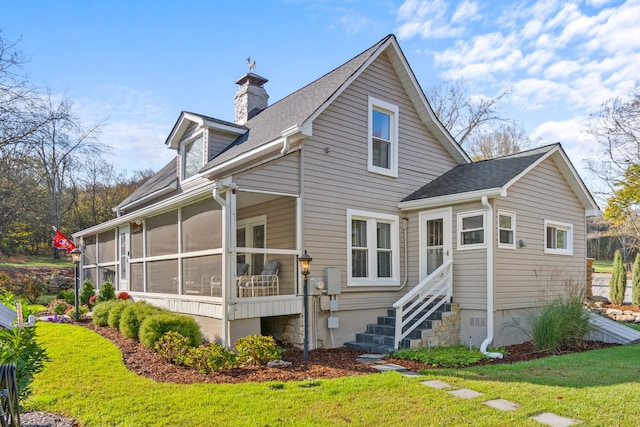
[435,240]
[123,249]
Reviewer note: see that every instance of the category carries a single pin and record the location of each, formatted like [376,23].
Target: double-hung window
[471,230]
[192,157]
[373,248]
[558,238]
[506,230]
[383,137]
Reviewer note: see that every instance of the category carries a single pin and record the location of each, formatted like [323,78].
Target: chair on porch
[264,284]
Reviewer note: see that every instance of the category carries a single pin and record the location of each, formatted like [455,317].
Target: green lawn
[603,266]
[39,261]
[86,380]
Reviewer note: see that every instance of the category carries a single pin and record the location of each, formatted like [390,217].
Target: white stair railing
[435,288]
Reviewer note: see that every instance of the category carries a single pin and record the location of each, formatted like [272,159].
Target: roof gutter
[490,254]
[451,199]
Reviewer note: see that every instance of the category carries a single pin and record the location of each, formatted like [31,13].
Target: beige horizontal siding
[336,178]
[281,176]
[527,277]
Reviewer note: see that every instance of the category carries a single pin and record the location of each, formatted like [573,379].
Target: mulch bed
[322,363]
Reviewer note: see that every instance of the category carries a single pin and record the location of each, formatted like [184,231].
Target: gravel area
[45,419]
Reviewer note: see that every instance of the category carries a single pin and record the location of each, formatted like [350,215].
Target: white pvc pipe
[490,256]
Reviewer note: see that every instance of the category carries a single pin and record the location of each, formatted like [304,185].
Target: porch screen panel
[107,246]
[201,226]
[137,241]
[202,275]
[136,277]
[90,274]
[107,274]
[162,276]
[90,250]
[162,234]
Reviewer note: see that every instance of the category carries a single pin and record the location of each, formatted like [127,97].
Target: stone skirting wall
[444,333]
[617,314]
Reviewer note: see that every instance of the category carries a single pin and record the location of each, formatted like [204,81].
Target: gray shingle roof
[165,178]
[294,109]
[482,175]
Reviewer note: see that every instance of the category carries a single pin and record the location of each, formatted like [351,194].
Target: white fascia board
[452,199]
[249,156]
[156,208]
[223,127]
[592,212]
[141,200]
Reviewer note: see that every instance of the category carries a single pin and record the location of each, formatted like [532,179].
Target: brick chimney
[251,97]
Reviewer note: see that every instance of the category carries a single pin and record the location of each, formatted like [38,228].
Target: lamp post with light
[75,257]
[305,268]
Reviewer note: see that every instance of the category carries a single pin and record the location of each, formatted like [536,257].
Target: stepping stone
[436,384]
[503,405]
[465,393]
[370,359]
[389,367]
[410,374]
[554,420]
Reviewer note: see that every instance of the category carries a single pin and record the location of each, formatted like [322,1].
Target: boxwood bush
[133,316]
[155,326]
[101,312]
[115,313]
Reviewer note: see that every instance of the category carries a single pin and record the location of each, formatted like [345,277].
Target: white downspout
[490,256]
[225,224]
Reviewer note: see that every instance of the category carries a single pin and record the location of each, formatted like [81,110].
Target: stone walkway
[547,418]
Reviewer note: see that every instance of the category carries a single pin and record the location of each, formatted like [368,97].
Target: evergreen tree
[635,282]
[618,282]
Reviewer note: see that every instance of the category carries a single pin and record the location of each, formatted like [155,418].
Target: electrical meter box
[332,280]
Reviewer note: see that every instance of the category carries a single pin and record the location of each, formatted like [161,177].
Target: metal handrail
[435,288]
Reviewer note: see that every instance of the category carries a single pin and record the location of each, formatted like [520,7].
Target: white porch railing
[435,289]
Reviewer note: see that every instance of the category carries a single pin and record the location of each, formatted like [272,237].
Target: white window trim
[183,146]
[513,229]
[461,216]
[562,226]
[393,111]
[372,218]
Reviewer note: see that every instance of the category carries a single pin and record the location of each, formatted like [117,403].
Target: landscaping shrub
[562,323]
[101,312]
[115,314]
[209,358]
[68,295]
[173,347]
[257,350]
[122,295]
[107,292]
[19,346]
[456,356]
[86,292]
[133,316]
[32,287]
[83,310]
[58,306]
[154,327]
[618,281]
[635,282]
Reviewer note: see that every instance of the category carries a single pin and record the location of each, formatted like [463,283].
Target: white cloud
[561,70]
[467,10]
[427,19]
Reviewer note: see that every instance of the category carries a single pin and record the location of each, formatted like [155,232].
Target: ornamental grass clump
[560,324]
[155,326]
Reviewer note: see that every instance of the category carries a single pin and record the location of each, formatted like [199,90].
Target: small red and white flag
[60,241]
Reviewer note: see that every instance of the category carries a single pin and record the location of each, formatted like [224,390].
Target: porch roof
[164,181]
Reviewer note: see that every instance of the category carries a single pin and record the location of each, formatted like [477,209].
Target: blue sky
[138,64]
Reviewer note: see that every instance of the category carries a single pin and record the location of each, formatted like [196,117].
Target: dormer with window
[192,156]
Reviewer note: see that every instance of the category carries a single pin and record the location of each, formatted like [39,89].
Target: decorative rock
[278,364]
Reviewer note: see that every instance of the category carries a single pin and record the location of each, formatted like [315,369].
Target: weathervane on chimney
[252,65]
